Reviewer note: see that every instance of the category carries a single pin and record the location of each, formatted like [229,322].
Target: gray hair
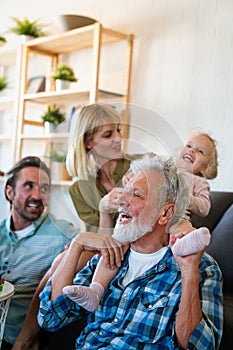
[174,190]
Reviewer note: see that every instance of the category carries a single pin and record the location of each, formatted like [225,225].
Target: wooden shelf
[53,137]
[74,40]
[65,97]
[61,183]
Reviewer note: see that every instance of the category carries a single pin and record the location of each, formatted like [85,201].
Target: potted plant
[3,83]
[57,156]
[52,117]
[26,28]
[58,166]
[63,74]
[2,40]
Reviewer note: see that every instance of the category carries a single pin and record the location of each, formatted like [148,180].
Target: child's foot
[87,297]
[192,243]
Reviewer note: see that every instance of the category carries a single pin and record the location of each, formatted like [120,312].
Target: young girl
[199,159]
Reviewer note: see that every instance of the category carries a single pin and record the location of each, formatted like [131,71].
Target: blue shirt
[142,315]
[24,261]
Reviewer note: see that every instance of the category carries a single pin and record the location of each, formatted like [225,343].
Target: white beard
[131,232]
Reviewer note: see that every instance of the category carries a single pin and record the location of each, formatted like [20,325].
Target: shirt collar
[35,223]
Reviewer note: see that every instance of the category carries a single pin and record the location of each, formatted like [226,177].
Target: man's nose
[124,199]
[36,192]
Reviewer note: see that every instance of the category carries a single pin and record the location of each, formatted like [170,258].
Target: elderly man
[156,300]
[29,238]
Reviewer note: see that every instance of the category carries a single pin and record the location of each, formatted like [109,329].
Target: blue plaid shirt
[24,261]
[141,315]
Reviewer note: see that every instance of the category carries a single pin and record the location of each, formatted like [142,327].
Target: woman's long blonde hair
[79,162]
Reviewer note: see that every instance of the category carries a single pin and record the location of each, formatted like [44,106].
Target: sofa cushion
[221,248]
[220,202]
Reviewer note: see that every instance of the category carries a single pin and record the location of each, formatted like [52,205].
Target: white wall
[182,65]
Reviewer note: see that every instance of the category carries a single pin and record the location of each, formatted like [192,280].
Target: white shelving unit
[9,98]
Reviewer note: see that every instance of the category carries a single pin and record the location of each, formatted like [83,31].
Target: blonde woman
[96,158]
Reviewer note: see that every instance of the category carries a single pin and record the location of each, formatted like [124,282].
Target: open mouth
[124,218]
[34,206]
[188,158]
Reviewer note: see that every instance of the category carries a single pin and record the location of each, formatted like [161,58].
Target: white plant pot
[62,84]
[25,38]
[49,127]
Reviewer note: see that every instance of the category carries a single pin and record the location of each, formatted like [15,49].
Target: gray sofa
[220,223]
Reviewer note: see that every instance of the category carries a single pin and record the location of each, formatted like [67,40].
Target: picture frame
[36,84]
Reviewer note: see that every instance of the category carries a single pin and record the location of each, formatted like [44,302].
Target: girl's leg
[89,297]
[191,243]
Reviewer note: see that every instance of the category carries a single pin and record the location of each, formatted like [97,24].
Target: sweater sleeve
[199,198]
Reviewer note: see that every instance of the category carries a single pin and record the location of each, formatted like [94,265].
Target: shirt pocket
[151,301]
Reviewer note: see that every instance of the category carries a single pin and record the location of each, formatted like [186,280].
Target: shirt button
[8,271]
[125,295]
[101,334]
[85,346]
[115,320]
[150,306]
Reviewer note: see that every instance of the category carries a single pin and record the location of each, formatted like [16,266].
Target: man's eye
[136,194]
[28,186]
[44,189]
[201,151]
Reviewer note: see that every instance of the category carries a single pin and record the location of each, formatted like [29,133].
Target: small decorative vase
[62,84]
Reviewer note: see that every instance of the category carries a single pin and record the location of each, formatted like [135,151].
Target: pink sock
[87,297]
[192,243]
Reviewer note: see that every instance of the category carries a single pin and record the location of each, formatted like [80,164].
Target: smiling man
[29,238]
[156,300]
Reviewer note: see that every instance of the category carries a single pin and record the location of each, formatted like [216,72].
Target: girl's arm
[199,199]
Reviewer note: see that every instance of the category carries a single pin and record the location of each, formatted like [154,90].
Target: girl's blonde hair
[211,170]
[85,124]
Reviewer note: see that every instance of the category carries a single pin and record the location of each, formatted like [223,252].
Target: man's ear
[9,193]
[166,213]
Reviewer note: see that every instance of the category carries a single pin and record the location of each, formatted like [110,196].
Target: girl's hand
[102,244]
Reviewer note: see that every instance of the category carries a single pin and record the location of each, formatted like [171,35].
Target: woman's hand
[127,177]
[109,203]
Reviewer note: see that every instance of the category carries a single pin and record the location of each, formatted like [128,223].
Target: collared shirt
[25,260]
[142,314]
